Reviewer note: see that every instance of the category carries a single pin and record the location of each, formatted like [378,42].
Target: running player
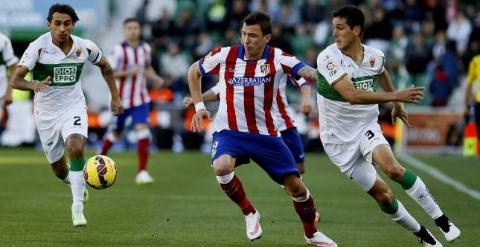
[131,61]
[8,62]
[250,75]
[349,130]
[56,59]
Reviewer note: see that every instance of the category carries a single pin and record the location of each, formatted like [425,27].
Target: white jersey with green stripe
[44,59]
[340,121]
[7,59]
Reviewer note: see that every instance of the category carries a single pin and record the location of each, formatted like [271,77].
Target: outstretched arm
[386,84]
[18,81]
[307,72]
[195,85]
[107,73]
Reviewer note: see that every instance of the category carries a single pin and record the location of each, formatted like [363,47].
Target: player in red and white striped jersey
[131,61]
[245,123]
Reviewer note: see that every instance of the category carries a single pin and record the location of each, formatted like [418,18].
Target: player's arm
[195,85]
[307,72]
[152,75]
[306,104]
[385,82]
[344,86]
[208,96]
[108,75]
[18,81]
[8,94]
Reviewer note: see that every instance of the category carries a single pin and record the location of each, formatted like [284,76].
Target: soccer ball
[100,172]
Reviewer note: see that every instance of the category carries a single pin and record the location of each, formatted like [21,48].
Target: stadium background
[428,43]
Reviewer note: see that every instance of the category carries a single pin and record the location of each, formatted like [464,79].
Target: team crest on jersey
[372,61]
[265,69]
[78,52]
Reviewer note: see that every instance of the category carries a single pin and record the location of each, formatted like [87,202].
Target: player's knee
[294,186]
[223,166]
[395,172]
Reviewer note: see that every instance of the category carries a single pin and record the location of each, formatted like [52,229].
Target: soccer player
[56,59]
[8,62]
[349,130]
[250,75]
[283,115]
[131,61]
[474,76]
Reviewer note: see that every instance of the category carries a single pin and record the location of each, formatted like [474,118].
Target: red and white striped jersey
[248,88]
[284,113]
[132,89]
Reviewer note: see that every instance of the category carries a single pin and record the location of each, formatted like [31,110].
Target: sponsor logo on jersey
[249,81]
[366,85]
[65,74]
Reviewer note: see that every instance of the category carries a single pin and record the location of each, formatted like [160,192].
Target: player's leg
[292,139]
[415,188]
[114,132]
[142,132]
[61,170]
[75,144]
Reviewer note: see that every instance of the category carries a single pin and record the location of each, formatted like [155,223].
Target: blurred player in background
[131,61]
[351,136]
[8,62]
[250,75]
[57,59]
[472,78]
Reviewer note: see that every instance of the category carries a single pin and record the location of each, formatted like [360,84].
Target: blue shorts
[291,137]
[139,116]
[269,152]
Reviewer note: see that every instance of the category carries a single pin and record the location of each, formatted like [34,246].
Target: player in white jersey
[56,60]
[131,61]
[349,130]
[245,127]
[8,61]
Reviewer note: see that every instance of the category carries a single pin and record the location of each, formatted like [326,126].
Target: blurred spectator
[272,7]
[279,39]
[216,16]
[203,45]
[231,37]
[440,87]
[141,13]
[413,14]
[163,29]
[300,41]
[236,15]
[290,17]
[311,13]
[175,65]
[440,45]
[379,32]
[187,27]
[450,63]
[417,57]
[397,47]
[459,30]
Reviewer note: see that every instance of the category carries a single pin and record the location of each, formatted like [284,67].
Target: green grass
[185,206]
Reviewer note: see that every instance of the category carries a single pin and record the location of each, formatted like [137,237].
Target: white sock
[403,218]
[225,179]
[422,196]
[78,187]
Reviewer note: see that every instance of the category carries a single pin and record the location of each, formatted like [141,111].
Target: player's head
[256,32]
[348,24]
[132,29]
[61,21]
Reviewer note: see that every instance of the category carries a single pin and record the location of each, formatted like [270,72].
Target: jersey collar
[241,52]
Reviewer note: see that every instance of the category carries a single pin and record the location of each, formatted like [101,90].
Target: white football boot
[320,239]
[426,238]
[143,177]
[77,217]
[254,230]
[452,233]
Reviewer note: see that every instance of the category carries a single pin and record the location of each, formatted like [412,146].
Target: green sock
[390,208]
[408,179]
[77,165]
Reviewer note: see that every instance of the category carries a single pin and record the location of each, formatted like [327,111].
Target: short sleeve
[216,89]
[290,64]
[115,57]
[8,55]
[328,67]
[210,64]
[30,57]
[94,53]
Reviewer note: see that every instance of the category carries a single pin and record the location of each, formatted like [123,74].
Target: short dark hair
[64,9]
[353,15]
[131,19]
[261,19]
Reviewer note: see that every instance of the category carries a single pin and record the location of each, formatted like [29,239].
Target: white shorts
[54,129]
[355,159]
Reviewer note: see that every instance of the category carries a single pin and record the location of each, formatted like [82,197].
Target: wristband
[199,106]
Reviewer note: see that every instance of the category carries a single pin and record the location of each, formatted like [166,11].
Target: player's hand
[39,86]
[306,105]
[116,106]
[399,112]
[197,120]
[134,71]
[187,101]
[410,95]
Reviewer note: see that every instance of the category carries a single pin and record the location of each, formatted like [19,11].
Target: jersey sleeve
[290,64]
[8,55]
[216,89]
[115,57]
[210,64]
[94,53]
[328,67]
[30,56]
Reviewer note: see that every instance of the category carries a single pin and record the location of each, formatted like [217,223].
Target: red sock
[306,211]
[234,190]
[106,146]
[143,153]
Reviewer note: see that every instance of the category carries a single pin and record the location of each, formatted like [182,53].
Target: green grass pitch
[185,206]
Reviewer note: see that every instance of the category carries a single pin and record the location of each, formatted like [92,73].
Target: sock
[143,145]
[233,188]
[107,143]
[305,208]
[400,215]
[419,192]
[77,181]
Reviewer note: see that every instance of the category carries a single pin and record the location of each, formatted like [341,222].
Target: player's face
[253,40]
[343,34]
[132,30]
[61,26]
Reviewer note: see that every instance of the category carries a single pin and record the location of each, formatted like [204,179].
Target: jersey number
[76,121]
[369,134]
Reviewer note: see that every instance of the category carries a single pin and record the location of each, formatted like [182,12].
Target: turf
[185,207]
